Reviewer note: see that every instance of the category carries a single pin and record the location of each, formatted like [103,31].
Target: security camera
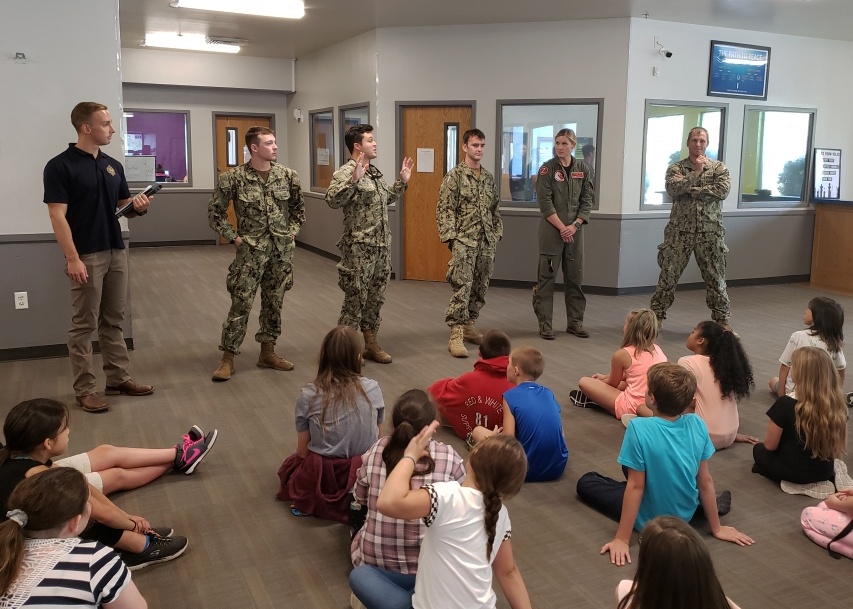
[665,52]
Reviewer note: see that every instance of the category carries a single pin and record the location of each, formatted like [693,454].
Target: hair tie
[19,516]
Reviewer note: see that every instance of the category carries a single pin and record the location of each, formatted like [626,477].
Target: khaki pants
[100,305]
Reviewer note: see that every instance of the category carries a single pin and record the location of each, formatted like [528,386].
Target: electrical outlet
[21,301]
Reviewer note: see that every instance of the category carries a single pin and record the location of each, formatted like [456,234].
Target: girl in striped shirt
[42,561]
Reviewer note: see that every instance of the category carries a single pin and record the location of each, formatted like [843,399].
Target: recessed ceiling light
[287,9]
[187,42]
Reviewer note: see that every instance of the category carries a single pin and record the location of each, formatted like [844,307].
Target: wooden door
[425,258]
[242,125]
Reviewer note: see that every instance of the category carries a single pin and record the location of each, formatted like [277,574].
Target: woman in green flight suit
[565,192]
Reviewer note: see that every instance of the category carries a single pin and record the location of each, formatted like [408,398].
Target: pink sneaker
[191,453]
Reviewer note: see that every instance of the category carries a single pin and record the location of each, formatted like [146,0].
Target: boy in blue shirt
[531,413]
[665,458]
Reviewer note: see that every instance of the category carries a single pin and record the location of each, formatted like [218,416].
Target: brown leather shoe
[130,388]
[92,402]
[578,331]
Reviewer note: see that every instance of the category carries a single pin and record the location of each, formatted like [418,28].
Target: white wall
[804,72]
[554,60]
[202,103]
[37,96]
[339,75]
[200,69]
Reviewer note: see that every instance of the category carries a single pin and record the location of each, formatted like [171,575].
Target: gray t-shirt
[352,433]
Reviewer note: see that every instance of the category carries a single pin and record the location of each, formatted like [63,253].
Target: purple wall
[169,132]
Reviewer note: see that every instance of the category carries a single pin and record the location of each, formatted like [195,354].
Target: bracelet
[414,461]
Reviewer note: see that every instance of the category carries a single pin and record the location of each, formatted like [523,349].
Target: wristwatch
[578,224]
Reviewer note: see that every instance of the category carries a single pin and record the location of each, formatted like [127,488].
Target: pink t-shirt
[636,381]
[719,413]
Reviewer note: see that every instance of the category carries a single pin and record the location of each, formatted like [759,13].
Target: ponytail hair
[49,500]
[499,466]
[30,423]
[413,411]
[827,322]
[728,360]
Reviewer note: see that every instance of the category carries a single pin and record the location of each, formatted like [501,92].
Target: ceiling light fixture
[285,9]
[187,42]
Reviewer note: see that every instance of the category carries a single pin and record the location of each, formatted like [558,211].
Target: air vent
[231,42]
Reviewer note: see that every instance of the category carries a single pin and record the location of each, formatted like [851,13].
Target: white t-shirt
[805,338]
[453,572]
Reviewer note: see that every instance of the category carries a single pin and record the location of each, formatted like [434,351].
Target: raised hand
[406,170]
[360,169]
[417,446]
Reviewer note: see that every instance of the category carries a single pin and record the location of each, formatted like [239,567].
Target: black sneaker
[724,502]
[850,400]
[160,549]
[580,399]
[195,433]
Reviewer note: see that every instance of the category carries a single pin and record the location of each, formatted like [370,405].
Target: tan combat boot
[372,350]
[470,333]
[456,346]
[269,359]
[226,367]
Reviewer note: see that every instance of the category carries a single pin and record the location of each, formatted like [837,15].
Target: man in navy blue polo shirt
[82,189]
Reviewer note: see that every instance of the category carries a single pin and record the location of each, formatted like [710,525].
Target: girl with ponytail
[467,539]
[385,550]
[723,376]
[44,563]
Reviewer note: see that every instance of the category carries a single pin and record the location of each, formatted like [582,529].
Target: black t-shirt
[91,187]
[12,472]
[791,447]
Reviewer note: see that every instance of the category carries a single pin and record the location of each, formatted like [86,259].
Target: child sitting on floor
[532,415]
[622,392]
[723,376]
[830,524]
[805,435]
[825,320]
[476,397]
[670,546]
[338,417]
[666,457]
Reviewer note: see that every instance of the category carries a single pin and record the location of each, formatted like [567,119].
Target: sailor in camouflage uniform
[469,221]
[698,185]
[365,245]
[270,211]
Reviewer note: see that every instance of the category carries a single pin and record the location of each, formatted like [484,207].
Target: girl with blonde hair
[623,391]
[805,435]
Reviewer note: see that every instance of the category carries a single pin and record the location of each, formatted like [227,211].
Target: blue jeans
[381,589]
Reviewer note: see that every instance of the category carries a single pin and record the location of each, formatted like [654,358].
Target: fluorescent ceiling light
[287,9]
[186,42]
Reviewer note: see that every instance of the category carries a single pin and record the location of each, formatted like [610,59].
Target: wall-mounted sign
[738,70]
[827,174]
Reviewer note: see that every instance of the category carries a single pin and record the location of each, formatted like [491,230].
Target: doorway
[229,140]
[435,131]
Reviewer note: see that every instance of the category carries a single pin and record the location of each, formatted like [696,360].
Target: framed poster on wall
[827,174]
[738,70]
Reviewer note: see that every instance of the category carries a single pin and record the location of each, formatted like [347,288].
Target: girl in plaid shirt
[385,550]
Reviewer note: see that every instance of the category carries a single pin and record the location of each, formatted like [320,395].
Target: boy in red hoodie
[476,398]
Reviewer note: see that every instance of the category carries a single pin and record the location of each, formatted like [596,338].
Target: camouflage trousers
[468,273]
[363,274]
[270,265]
[673,256]
[571,260]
